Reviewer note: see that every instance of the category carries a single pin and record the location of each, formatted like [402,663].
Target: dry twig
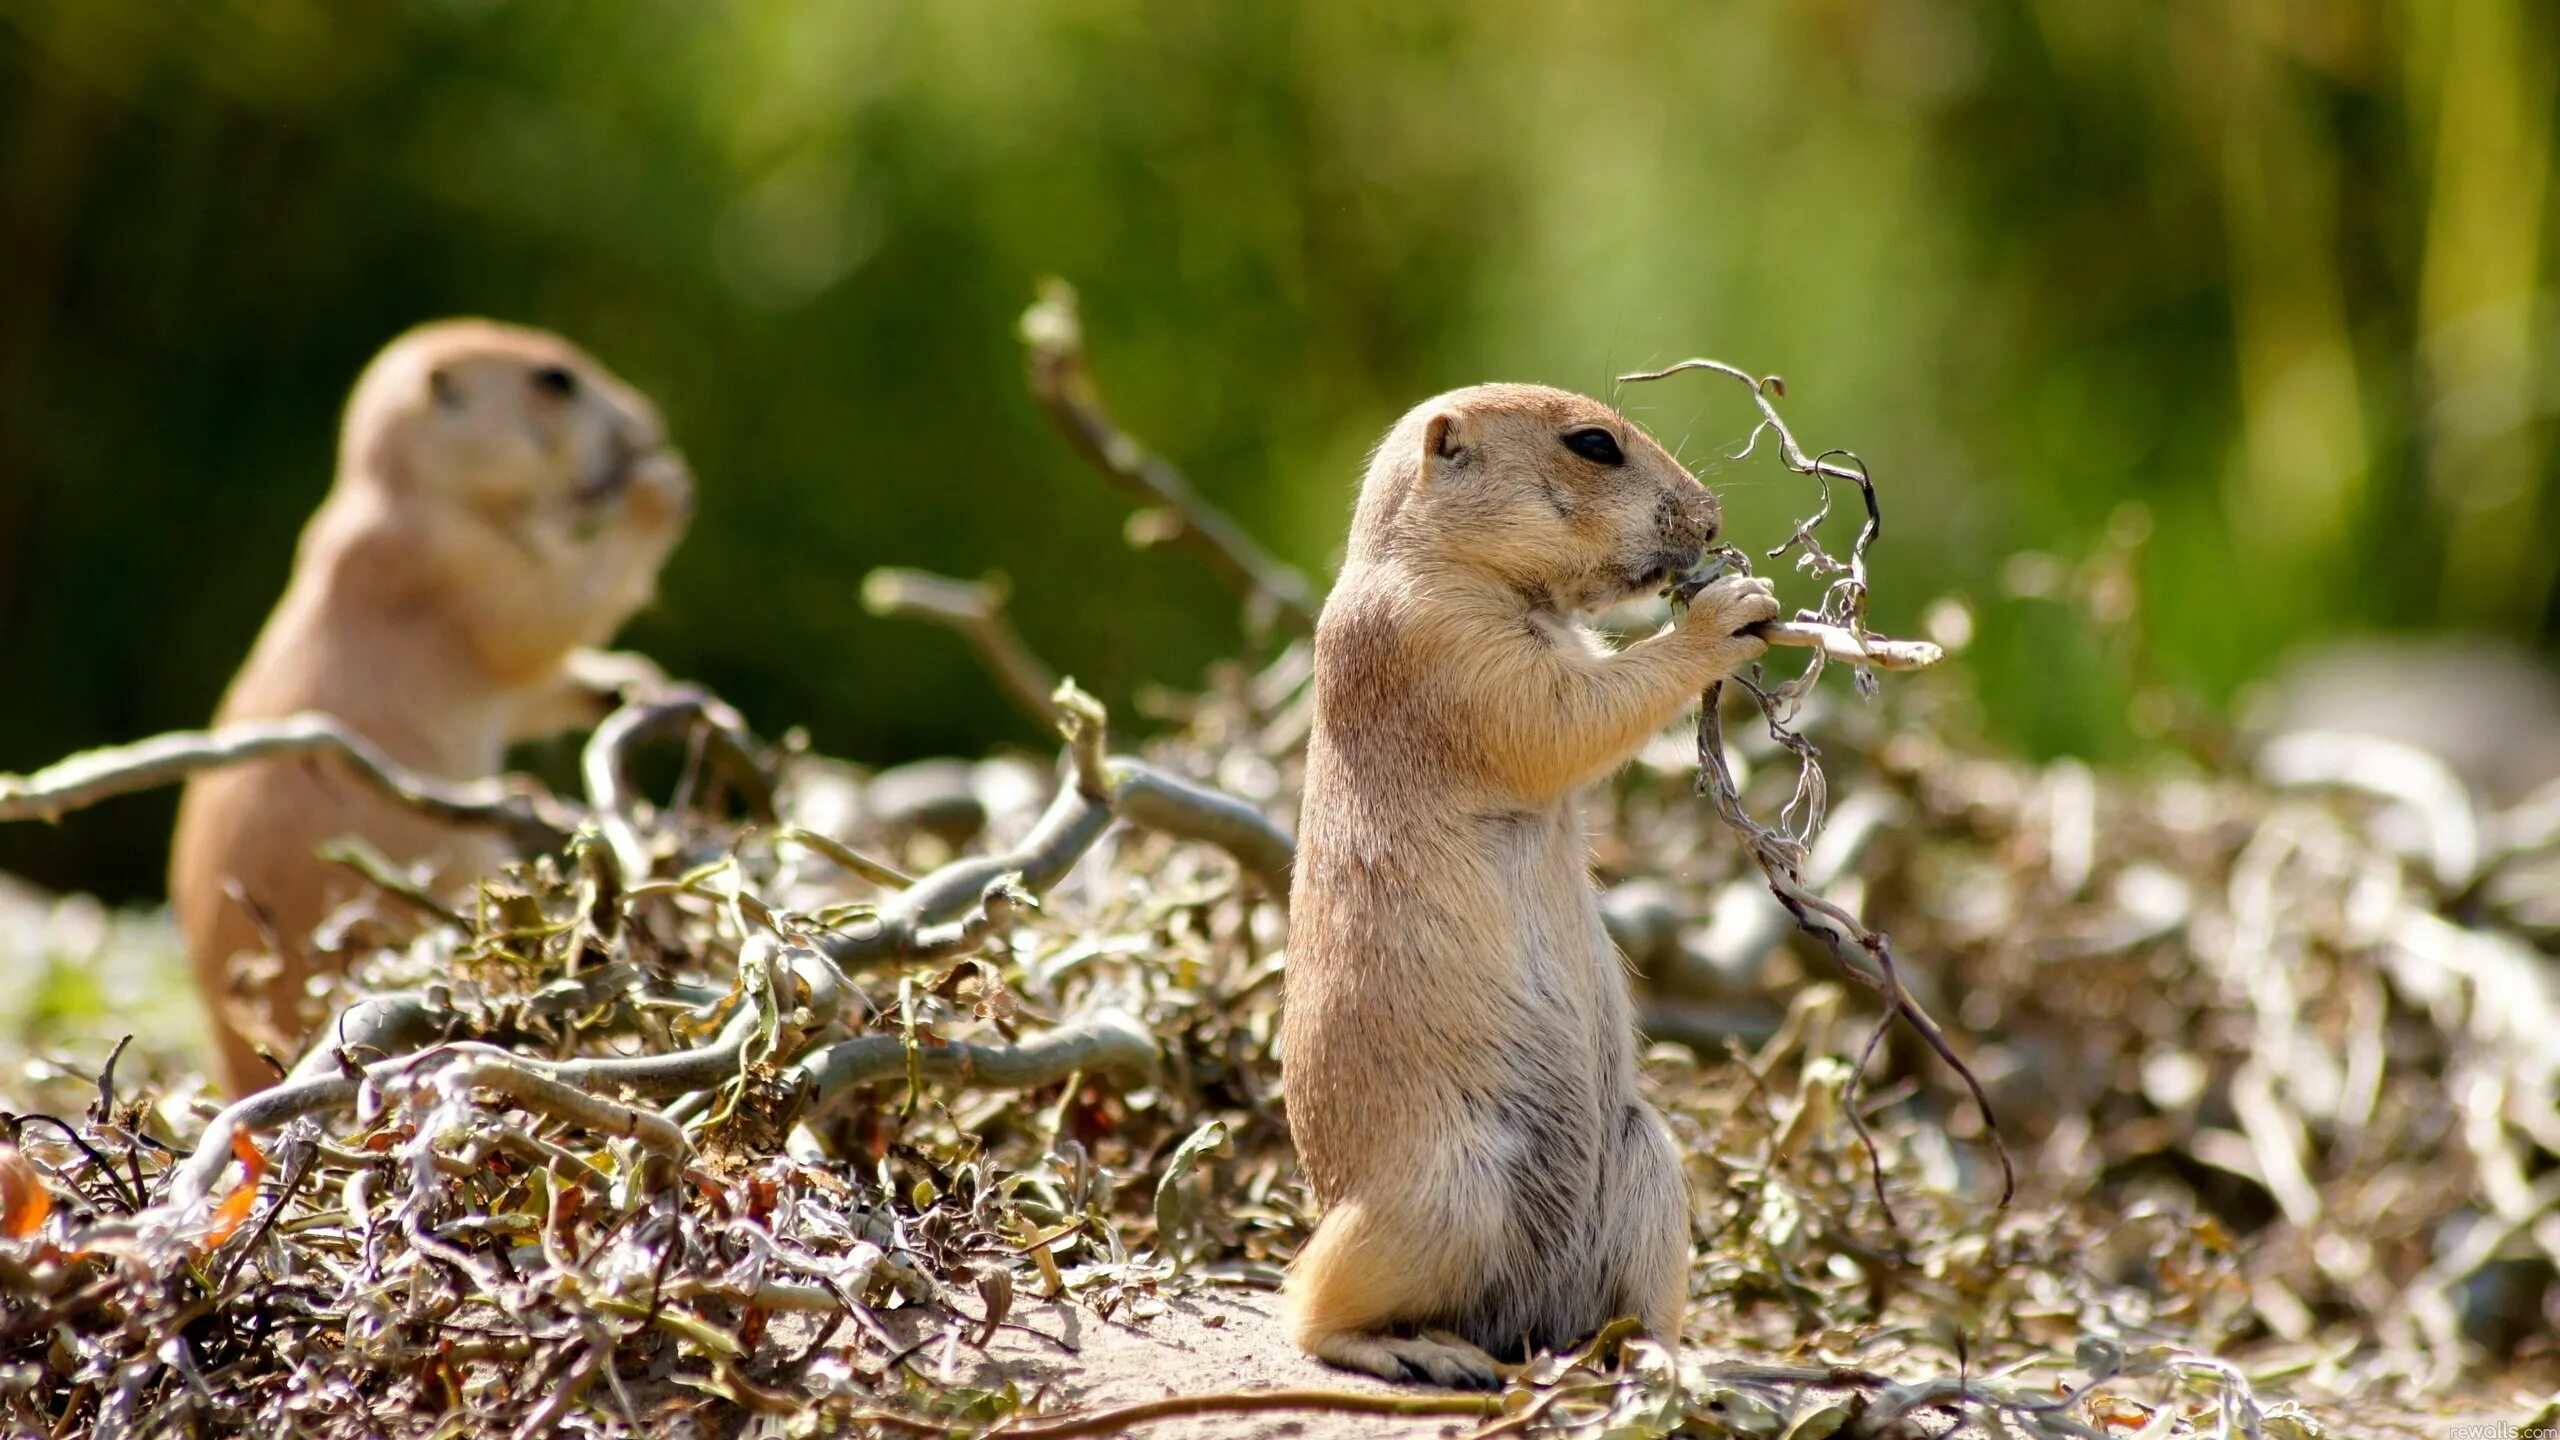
[975,610]
[1062,381]
[529,814]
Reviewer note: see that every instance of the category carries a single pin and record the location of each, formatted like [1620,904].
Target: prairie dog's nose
[664,485]
[642,429]
[1689,516]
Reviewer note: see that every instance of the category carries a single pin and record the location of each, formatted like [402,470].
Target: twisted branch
[1780,860]
[605,764]
[1064,832]
[1851,592]
[1838,627]
[918,922]
[1107,1043]
[653,1076]
[1145,795]
[527,1085]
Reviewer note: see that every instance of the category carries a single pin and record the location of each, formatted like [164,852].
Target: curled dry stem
[1838,630]
[393,1018]
[605,764]
[1852,592]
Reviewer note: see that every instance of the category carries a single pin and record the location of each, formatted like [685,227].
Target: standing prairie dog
[501,501]
[1458,1043]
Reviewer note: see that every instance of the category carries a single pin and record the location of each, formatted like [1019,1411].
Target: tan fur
[486,523]
[1458,1045]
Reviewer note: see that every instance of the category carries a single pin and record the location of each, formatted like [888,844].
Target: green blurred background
[2272,269]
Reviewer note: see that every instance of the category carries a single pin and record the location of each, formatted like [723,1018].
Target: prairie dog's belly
[1563,1050]
[1568,972]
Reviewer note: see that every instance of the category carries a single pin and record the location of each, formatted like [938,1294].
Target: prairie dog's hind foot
[1438,1358]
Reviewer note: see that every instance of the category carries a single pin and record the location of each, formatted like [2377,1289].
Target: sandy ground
[1207,1341]
[1228,1340]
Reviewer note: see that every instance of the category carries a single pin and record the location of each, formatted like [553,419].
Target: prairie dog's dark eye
[1595,445]
[555,380]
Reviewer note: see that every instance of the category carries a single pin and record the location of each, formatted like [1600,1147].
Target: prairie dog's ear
[1444,442]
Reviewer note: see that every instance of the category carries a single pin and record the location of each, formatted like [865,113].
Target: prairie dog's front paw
[589,685]
[1723,611]
[613,676]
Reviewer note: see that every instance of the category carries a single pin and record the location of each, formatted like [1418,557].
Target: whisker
[1609,354]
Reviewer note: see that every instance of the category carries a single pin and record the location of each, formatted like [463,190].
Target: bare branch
[1120,1419]
[1791,455]
[311,1090]
[903,928]
[1850,647]
[1106,1043]
[1062,381]
[851,860]
[975,610]
[914,923]
[1145,795]
[531,816]
[1780,859]
[371,1029]
[1086,727]
[999,905]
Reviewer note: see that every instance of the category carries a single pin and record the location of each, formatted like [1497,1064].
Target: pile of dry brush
[775,1094]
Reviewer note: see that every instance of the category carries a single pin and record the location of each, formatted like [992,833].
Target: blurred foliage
[2269,269]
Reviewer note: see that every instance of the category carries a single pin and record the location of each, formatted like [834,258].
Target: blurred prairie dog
[501,501]
[1458,1040]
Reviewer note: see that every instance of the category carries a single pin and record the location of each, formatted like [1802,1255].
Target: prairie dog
[501,501]
[1458,1043]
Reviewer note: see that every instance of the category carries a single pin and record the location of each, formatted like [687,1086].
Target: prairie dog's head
[1550,493]
[512,447]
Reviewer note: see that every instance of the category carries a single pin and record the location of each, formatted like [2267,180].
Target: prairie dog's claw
[1446,1361]
[1732,605]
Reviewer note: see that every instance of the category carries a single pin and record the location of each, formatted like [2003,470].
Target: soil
[1207,1341]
